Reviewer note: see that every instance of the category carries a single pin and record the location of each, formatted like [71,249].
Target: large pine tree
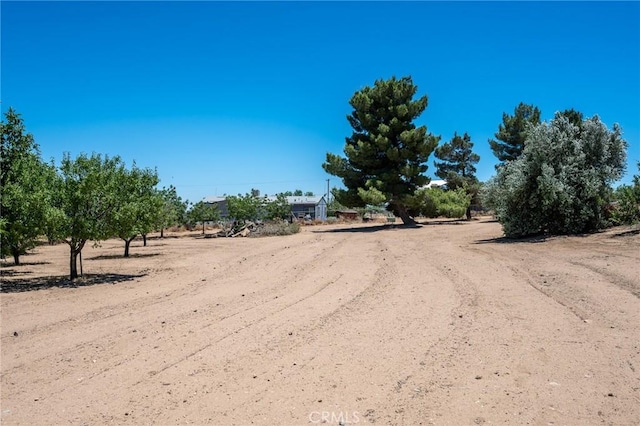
[386,154]
[512,132]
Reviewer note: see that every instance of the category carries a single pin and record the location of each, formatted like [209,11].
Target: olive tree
[561,184]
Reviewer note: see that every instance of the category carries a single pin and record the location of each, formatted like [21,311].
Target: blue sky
[225,97]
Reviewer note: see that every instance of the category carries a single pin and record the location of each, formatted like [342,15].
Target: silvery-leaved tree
[561,184]
[386,154]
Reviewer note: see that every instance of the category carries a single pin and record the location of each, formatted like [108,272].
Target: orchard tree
[173,209]
[24,188]
[138,205]
[203,212]
[386,153]
[457,166]
[243,208]
[562,182]
[278,208]
[512,132]
[85,196]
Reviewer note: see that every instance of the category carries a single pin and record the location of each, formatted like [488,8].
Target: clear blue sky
[225,97]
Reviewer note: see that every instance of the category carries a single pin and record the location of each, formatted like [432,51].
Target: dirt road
[445,324]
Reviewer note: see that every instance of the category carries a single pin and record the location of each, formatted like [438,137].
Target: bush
[437,202]
[626,210]
[277,229]
[561,182]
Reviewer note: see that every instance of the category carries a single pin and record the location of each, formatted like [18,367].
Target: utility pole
[328,192]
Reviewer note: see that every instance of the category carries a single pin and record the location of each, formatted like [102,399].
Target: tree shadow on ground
[120,256]
[13,265]
[445,222]
[367,229]
[541,238]
[42,283]
[626,233]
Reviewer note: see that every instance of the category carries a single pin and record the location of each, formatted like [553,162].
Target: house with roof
[307,207]
[302,207]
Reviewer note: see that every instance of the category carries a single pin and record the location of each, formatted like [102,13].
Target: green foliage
[386,151]
[138,204]
[24,187]
[561,183]
[243,208]
[457,166]
[278,208]
[627,202]
[203,212]
[437,202]
[173,210]
[511,135]
[85,197]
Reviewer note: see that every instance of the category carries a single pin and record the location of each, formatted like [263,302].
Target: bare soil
[446,323]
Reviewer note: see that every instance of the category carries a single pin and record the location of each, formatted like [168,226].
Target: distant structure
[436,184]
[302,207]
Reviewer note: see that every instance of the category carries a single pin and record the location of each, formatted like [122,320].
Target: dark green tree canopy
[386,153]
[457,160]
[511,133]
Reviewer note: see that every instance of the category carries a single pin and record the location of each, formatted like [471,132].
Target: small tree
[278,208]
[24,188]
[137,206]
[562,182]
[243,208]
[84,199]
[386,153]
[627,197]
[203,212]
[457,166]
[512,132]
[173,209]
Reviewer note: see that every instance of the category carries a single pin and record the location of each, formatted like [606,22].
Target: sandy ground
[443,324]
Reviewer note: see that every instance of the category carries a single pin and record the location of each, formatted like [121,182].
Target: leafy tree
[561,183]
[138,205]
[173,209]
[243,208]
[512,132]
[627,197]
[386,153]
[24,186]
[85,196]
[203,212]
[308,194]
[278,208]
[458,166]
[297,193]
[437,202]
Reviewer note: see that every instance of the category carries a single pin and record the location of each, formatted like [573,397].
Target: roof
[214,199]
[292,200]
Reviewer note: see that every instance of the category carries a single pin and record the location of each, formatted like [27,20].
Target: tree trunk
[126,246]
[401,211]
[16,256]
[203,227]
[75,249]
[144,240]
[468,213]
[161,232]
[73,274]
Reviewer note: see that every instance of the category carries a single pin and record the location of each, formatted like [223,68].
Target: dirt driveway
[444,324]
